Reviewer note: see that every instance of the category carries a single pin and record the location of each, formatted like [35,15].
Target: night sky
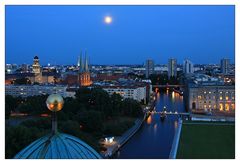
[57,34]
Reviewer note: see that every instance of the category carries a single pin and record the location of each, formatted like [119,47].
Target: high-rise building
[172,67]
[24,67]
[84,77]
[149,65]
[187,66]
[225,65]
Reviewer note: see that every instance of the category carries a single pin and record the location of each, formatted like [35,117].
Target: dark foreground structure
[57,145]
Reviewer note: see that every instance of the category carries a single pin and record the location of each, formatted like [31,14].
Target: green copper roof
[58,146]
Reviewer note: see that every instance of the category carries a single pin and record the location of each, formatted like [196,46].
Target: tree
[91,121]
[11,104]
[22,81]
[19,137]
[132,108]
[100,101]
[116,101]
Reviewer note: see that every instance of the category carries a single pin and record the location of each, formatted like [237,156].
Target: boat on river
[163,115]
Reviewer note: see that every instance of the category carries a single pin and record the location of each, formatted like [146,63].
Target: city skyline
[202,34]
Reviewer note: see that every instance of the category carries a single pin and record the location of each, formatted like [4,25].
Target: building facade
[187,67]
[208,98]
[172,67]
[209,94]
[224,65]
[35,90]
[134,92]
[149,66]
[84,76]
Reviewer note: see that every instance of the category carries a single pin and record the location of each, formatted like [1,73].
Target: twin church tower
[84,77]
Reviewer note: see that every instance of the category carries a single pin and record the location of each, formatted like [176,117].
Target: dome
[58,146]
[35,57]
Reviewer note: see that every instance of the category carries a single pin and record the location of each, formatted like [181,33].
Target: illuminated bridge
[167,86]
[170,113]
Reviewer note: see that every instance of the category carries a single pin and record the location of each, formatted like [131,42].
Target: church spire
[82,63]
[79,61]
[86,62]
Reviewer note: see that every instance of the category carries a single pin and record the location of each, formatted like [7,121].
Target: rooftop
[58,146]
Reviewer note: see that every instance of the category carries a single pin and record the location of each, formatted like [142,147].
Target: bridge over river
[154,139]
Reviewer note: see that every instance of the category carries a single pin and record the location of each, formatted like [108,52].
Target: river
[154,139]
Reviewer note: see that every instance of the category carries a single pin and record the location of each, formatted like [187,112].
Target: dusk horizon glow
[58,34]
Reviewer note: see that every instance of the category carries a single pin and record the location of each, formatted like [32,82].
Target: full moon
[108,19]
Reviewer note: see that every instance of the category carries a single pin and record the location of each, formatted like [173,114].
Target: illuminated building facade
[134,92]
[35,90]
[205,93]
[36,70]
[208,98]
[84,76]
[42,77]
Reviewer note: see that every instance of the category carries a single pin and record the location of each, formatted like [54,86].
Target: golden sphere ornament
[55,102]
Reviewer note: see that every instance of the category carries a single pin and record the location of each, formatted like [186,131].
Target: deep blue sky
[57,34]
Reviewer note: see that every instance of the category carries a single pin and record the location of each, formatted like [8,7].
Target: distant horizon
[231,62]
[203,34]
[143,63]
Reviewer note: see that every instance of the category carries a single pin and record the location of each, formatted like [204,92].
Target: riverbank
[198,117]
[121,140]
[173,152]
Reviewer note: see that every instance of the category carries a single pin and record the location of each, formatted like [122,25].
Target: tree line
[90,116]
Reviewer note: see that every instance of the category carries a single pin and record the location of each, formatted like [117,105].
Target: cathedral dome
[58,146]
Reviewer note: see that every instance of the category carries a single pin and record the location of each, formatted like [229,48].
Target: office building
[187,67]
[149,66]
[224,65]
[172,68]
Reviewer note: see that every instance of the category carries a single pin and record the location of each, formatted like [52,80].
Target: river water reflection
[154,139]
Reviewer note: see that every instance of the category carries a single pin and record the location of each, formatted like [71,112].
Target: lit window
[226,97]
[233,106]
[227,107]
[221,107]
[220,97]
[209,92]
